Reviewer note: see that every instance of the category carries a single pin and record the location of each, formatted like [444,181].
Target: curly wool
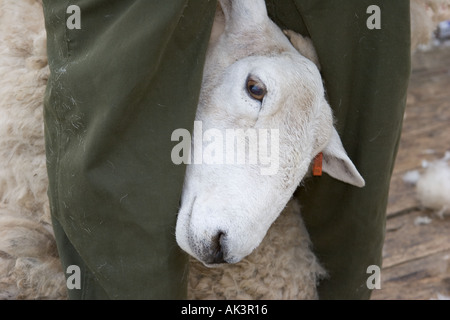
[282,267]
[29,263]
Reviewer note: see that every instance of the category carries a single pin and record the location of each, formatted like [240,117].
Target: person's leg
[366,74]
[119,86]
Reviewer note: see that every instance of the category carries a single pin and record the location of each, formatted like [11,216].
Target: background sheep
[29,266]
[272,270]
[425,15]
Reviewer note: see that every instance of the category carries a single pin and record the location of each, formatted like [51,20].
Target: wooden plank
[430,77]
[428,60]
[426,127]
[406,241]
[402,199]
[416,258]
[416,147]
[427,118]
[427,90]
[430,113]
[420,279]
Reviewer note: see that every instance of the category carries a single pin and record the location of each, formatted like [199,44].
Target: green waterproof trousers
[126,74]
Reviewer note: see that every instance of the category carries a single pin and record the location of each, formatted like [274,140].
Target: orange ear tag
[317,165]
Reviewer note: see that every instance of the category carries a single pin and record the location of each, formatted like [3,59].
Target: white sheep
[216,230]
[425,16]
[29,265]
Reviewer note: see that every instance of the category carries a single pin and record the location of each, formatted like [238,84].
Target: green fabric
[131,75]
[119,87]
[366,74]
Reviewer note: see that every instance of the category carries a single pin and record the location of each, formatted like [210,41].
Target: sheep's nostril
[216,255]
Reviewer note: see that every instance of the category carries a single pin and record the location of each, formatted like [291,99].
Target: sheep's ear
[243,14]
[337,163]
[304,46]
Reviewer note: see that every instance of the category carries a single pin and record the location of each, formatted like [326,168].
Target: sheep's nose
[216,250]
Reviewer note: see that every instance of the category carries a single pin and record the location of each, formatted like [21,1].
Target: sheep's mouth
[215,252]
[212,251]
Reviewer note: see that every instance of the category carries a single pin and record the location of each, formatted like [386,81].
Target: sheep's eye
[256,89]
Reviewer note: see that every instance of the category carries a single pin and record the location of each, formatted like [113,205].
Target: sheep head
[257,84]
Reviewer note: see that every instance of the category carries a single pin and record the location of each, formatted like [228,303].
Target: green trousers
[130,75]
